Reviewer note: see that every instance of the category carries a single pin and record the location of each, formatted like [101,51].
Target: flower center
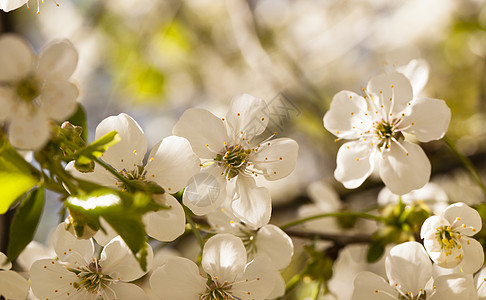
[421,296]
[233,160]
[91,278]
[217,291]
[28,89]
[386,131]
[447,238]
[136,174]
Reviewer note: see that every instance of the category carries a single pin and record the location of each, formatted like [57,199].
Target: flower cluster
[128,209]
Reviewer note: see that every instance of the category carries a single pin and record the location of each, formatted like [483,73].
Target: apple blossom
[231,152]
[447,238]
[376,124]
[259,239]
[34,90]
[409,273]
[229,276]
[171,163]
[79,274]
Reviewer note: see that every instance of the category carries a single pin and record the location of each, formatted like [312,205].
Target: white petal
[104,238]
[201,128]
[274,243]
[128,291]
[13,286]
[49,279]
[431,224]
[278,286]
[58,99]
[417,71]
[171,163]
[224,257]
[129,152]
[4,263]
[453,287]
[473,255]
[178,279]
[223,221]
[480,279]
[247,114]
[205,191]
[118,261]
[369,286]
[252,204]
[438,254]
[354,164]
[17,58]
[344,113]
[257,282]
[467,216]
[393,86]
[276,158]
[166,224]
[404,171]
[34,251]
[429,119]
[29,130]
[57,61]
[69,249]
[99,175]
[8,5]
[409,266]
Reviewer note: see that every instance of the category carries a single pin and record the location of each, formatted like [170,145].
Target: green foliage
[123,211]
[16,176]
[25,222]
[319,266]
[402,223]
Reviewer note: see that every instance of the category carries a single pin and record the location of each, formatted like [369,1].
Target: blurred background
[153,59]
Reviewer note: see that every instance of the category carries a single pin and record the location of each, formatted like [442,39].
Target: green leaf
[16,177]
[79,119]
[132,231]
[375,251]
[97,148]
[25,222]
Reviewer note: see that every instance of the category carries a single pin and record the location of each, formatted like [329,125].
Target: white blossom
[409,273]
[229,276]
[170,164]
[376,124]
[34,90]
[447,238]
[78,273]
[232,153]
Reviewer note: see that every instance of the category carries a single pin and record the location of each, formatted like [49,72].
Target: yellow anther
[458,219]
[463,225]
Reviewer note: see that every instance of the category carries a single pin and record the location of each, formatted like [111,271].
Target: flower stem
[193,227]
[112,171]
[467,163]
[335,214]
